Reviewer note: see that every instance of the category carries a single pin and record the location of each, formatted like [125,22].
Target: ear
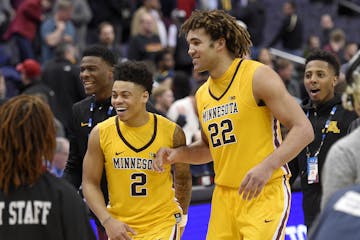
[335,81]
[220,43]
[145,96]
[111,74]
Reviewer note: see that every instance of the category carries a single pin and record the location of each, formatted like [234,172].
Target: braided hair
[218,24]
[27,138]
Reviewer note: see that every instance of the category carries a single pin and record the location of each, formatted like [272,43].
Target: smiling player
[142,202]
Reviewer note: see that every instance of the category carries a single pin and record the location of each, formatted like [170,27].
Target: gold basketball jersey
[139,196]
[241,134]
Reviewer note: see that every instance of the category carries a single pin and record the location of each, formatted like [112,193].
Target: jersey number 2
[137,187]
[221,133]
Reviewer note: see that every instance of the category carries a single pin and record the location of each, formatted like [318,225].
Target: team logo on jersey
[84,124]
[333,127]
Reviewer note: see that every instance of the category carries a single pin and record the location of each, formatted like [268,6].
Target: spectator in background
[330,122]
[61,74]
[336,42]
[350,49]
[34,203]
[312,44]
[181,85]
[81,16]
[253,15]
[60,156]
[183,61]
[165,73]
[146,44]
[57,29]
[187,5]
[6,14]
[285,69]
[30,71]
[23,27]
[107,39]
[266,58]
[116,12]
[327,26]
[152,7]
[291,30]
[183,112]
[342,165]
[163,97]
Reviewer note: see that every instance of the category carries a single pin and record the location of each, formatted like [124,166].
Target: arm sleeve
[73,168]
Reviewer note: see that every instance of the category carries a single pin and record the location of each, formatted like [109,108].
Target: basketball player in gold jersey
[239,108]
[142,202]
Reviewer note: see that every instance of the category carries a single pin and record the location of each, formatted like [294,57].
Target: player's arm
[269,88]
[93,166]
[182,175]
[196,153]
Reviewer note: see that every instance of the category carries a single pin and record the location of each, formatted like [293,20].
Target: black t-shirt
[49,209]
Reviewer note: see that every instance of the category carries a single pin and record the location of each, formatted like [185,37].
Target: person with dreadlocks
[34,204]
[240,107]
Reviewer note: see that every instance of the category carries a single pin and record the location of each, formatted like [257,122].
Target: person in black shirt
[291,30]
[96,73]
[34,204]
[61,74]
[330,122]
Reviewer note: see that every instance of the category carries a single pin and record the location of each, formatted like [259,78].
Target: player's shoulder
[163,121]
[84,103]
[109,122]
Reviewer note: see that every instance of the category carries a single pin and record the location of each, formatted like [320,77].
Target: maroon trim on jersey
[277,143]
[285,217]
[227,89]
[175,233]
[276,140]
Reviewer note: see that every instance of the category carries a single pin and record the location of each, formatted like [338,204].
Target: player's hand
[117,230]
[163,156]
[254,181]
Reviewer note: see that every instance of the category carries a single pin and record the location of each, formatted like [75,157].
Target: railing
[286,55]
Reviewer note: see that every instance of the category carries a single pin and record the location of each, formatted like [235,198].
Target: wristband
[106,219]
[183,221]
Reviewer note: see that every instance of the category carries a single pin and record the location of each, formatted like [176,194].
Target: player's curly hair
[352,94]
[134,71]
[27,138]
[218,24]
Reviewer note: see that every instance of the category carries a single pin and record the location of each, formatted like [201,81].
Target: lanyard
[324,132]
[92,107]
